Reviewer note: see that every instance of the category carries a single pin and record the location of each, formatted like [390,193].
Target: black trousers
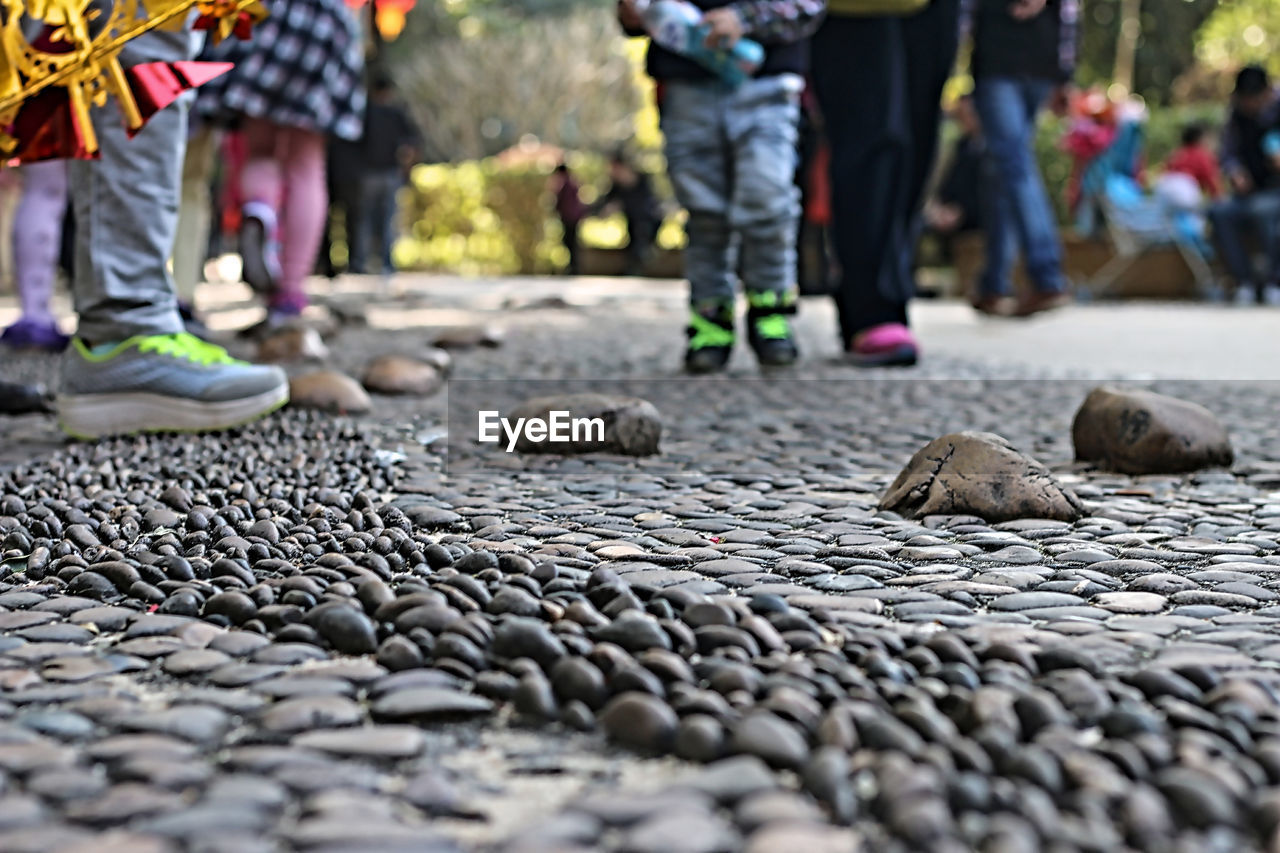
[573,245]
[879,84]
[344,196]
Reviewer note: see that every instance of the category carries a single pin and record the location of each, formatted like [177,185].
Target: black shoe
[711,339]
[259,249]
[18,399]
[769,331]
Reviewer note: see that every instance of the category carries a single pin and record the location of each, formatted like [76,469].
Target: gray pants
[126,211]
[731,156]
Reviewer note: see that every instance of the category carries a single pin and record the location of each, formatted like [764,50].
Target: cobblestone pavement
[307,635]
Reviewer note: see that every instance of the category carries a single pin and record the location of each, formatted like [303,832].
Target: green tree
[1166,42]
[1240,32]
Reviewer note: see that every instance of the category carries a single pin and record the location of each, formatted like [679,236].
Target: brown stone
[396,374]
[465,337]
[632,426]
[978,473]
[1141,432]
[329,391]
[294,343]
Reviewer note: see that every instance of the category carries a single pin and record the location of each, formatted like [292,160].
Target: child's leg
[262,178]
[765,210]
[763,126]
[37,237]
[303,217]
[697,163]
[262,195]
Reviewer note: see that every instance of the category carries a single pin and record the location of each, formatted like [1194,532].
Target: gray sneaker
[163,383]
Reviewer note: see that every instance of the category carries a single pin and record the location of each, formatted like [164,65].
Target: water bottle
[677,26]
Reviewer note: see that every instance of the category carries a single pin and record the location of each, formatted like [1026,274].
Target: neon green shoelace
[185,346]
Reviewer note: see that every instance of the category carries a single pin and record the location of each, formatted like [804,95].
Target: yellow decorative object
[75,45]
[223,18]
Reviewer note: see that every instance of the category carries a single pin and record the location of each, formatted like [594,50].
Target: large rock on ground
[978,473]
[329,391]
[632,426]
[1141,432]
[396,374]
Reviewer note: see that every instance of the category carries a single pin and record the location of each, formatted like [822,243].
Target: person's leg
[570,230]
[933,38]
[1228,218]
[1043,248]
[1000,241]
[194,215]
[1007,109]
[262,191]
[368,228]
[350,196]
[859,75]
[389,219]
[1264,212]
[697,166]
[999,103]
[764,210]
[37,238]
[302,221]
[132,368]
[126,213]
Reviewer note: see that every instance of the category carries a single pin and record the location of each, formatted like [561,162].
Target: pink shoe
[886,345]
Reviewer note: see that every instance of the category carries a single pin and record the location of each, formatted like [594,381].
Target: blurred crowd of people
[1218,191]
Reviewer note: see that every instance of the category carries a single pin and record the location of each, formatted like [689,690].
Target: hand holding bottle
[713,40]
[724,28]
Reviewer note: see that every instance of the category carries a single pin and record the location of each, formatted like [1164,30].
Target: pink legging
[37,236]
[286,171]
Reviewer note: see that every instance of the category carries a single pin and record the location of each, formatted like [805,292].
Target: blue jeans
[1020,210]
[731,156]
[126,210]
[1259,212]
[377,213]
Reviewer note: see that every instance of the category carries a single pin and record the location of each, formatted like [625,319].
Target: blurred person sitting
[1189,182]
[1194,159]
[632,191]
[1253,174]
[389,150]
[956,206]
[1106,143]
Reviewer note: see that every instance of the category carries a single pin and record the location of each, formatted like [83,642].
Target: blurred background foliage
[502,89]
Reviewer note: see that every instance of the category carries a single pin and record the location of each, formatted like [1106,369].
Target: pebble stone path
[307,636]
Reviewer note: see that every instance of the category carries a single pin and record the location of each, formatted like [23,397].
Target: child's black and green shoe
[769,330]
[711,338]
